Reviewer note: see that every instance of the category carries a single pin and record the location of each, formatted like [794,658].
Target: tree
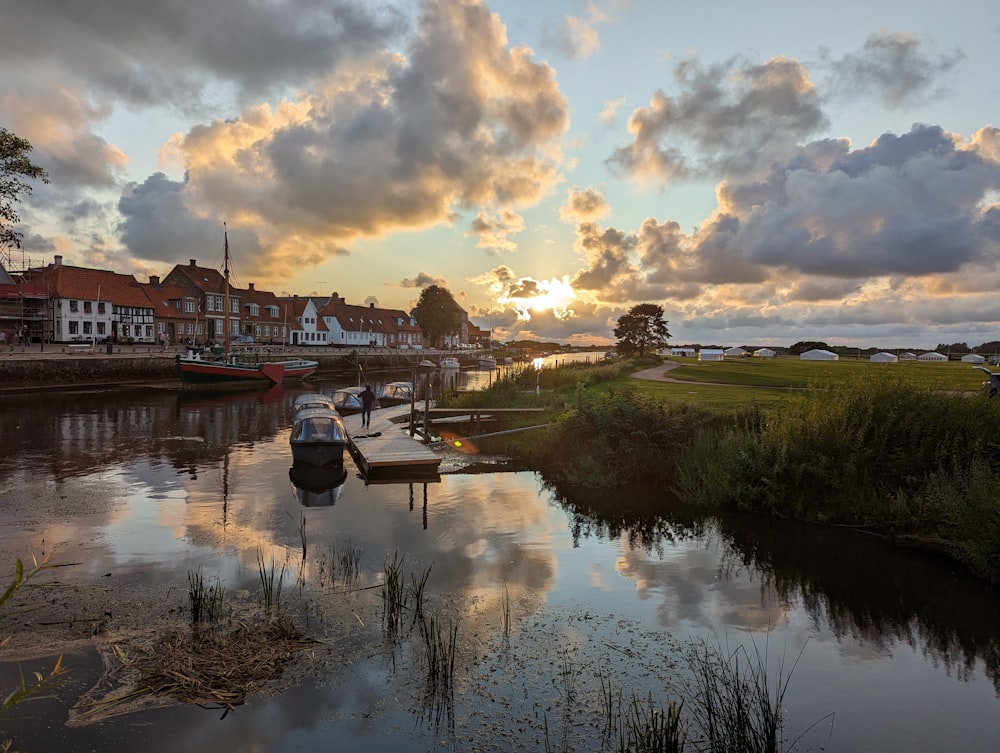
[437,314]
[15,170]
[641,329]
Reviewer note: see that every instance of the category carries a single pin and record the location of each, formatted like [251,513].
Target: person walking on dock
[367,401]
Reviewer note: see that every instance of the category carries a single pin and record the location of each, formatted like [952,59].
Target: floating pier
[385,451]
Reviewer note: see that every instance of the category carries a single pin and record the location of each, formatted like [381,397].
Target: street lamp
[537,363]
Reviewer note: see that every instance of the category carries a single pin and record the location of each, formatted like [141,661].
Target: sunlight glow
[527,295]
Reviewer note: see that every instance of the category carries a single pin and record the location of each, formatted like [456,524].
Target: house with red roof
[88,305]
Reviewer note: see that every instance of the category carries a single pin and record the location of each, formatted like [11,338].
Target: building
[711,354]
[883,358]
[973,358]
[932,357]
[94,305]
[735,353]
[818,354]
[765,353]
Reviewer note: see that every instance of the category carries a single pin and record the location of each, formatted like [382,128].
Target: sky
[766,172]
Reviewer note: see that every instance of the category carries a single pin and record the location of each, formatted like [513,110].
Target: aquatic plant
[207,601]
[271,581]
[505,619]
[440,648]
[393,595]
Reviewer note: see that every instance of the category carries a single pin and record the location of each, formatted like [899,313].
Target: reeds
[440,649]
[207,601]
[271,581]
[505,620]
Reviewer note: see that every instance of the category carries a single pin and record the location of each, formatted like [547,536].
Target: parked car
[244,340]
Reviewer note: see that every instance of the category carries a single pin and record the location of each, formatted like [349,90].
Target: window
[88,307]
[254,309]
[149,331]
[100,307]
[190,329]
[188,306]
[100,329]
[160,327]
[74,306]
[88,328]
[234,305]
[74,327]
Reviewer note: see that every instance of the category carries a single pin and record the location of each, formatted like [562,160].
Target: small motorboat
[487,362]
[347,400]
[317,485]
[395,393]
[449,362]
[318,437]
[313,400]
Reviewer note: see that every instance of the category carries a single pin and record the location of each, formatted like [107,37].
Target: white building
[932,356]
[818,354]
[973,358]
[883,358]
[685,352]
[734,353]
[710,354]
[765,353]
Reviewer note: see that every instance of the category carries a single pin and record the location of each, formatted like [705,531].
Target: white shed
[734,353]
[932,356]
[710,354]
[883,358]
[765,353]
[818,354]
[685,352]
[973,358]
[907,356]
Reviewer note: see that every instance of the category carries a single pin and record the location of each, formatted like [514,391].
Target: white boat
[318,485]
[318,437]
[347,400]
[313,400]
[487,362]
[395,393]
[449,362]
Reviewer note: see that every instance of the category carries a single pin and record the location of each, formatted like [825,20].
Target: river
[554,592]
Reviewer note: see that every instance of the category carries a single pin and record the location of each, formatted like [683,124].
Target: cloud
[588,204]
[577,37]
[892,66]
[494,232]
[610,111]
[422,280]
[727,118]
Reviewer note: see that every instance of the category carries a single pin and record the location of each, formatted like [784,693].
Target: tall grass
[207,600]
[271,581]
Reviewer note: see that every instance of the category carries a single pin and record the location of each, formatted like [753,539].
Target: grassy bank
[895,451]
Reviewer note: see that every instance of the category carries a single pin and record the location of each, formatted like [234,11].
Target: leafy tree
[437,314]
[803,345]
[641,329]
[15,170]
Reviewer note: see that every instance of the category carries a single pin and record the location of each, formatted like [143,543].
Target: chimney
[58,261]
[251,287]
[193,263]
[154,280]
[371,305]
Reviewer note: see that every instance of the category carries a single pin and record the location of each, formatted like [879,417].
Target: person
[367,402]
[436,386]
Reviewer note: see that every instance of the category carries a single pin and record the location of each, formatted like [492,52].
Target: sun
[528,295]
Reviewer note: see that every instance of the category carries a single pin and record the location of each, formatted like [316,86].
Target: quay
[476,416]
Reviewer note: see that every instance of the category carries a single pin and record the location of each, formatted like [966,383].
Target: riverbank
[55,367]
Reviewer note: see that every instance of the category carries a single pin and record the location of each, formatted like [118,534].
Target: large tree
[437,314]
[15,171]
[642,329]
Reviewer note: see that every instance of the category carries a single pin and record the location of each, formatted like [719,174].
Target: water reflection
[317,485]
[135,488]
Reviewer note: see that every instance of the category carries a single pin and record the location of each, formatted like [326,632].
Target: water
[132,490]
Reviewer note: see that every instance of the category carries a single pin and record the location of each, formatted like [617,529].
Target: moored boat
[313,400]
[247,367]
[347,400]
[318,437]
[318,485]
[487,362]
[395,393]
[448,362]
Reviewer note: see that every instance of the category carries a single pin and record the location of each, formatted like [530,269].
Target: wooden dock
[476,416]
[385,451]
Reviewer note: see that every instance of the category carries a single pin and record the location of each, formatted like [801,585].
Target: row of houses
[65,304]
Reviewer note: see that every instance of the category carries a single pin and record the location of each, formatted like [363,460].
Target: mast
[225,302]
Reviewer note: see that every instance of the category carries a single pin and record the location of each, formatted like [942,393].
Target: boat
[487,362]
[317,485]
[318,437]
[246,367]
[448,362]
[313,400]
[347,400]
[395,393]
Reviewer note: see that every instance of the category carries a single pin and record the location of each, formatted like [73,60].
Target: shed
[973,358]
[687,352]
[710,354]
[932,356]
[735,353]
[907,356]
[765,353]
[818,354]
[883,358]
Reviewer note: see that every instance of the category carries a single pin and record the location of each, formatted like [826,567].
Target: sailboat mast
[225,302]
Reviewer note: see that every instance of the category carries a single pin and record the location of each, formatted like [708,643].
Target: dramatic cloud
[577,37]
[891,65]
[588,204]
[727,118]
[494,232]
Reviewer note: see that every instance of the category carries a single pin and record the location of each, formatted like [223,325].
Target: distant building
[818,354]
[683,352]
[765,353]
[883,358]
[932,356]
[735,353]
[711,354]
[973,358]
